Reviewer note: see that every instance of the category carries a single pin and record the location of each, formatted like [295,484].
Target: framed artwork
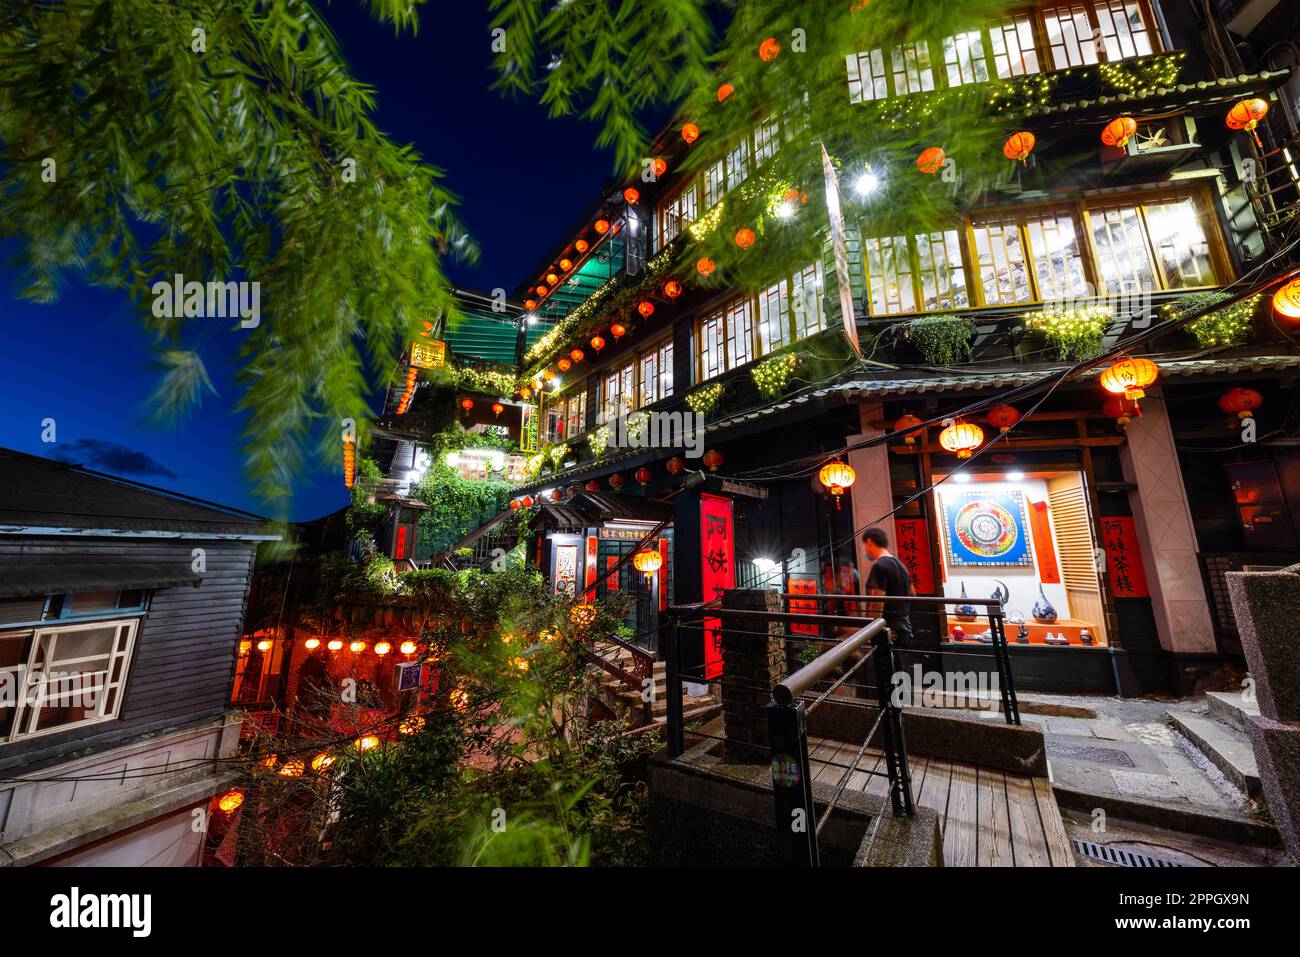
[566,569]
[985,529]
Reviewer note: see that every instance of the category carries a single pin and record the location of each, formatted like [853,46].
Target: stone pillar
[1166,533]
[753,662]
[1267,609]
[872,493]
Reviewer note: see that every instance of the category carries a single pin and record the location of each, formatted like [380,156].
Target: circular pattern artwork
[986,529]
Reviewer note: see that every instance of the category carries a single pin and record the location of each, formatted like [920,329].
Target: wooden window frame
[661,234]
[1090,9]
[915,274]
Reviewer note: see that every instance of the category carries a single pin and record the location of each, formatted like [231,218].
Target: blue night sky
[84,361]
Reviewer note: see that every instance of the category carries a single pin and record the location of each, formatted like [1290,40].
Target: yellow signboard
[428,353]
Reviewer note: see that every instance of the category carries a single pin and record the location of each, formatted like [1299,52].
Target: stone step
[1225,747]
[1232,709]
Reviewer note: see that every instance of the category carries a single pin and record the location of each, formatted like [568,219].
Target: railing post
[673,667]
[1006,686]
[796,824]
[891,728]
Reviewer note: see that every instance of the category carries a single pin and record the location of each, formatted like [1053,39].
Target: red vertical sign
[589,582]
[1124,568]
[718,554]
[802,586]
[1049,572]
[913,550]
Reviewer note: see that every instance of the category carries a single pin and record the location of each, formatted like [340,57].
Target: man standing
[888,576]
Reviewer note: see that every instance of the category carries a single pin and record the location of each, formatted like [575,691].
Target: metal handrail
[911,599]
[816,670]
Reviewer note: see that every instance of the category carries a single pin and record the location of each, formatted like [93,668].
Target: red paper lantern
[644,475]
[724,91]
[672,289]
[527,501]
[530,304]
[601,226]
[497,408]
[541,290]
[1003,417]
[646,308]
[617,330]
[1019,145]
[597,343]
[564,364]
[704,266]
[577,355]
[962,438]
[1246,116]
[660,166]
[1287,300]
[769,50]
[1119,131]
[631,194]
[467,403]
[566,264]
[548,375]
[744,238]
[1241,402]
[557,494]
[525,393]
[1122,410]
[616,482]
[675,464]
[552,278]
[690,133]
[1129,377]
[515,503]
[581,246]
[930,160]
[837,476]
[592,486]
[712,459]
[908,425]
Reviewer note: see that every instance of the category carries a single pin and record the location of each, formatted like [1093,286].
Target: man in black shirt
[888,576]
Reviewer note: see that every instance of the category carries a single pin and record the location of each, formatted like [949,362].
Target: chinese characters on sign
[717,548]
[913,550]
[805,585]
[1124,570]
[428,353]
[566,569]
[530,438]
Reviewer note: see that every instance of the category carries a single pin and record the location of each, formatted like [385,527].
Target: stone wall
[753,662]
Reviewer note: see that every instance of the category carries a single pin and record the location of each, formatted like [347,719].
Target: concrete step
[1227,749]
[1232,709]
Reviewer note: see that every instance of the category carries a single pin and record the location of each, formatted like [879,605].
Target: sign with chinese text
[1124,568]
[428,353]
[611,580]
[530,429]
[803,585]
[718,551]
[566,569]
[912,548]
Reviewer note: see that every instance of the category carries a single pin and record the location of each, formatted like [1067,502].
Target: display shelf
[1069,627]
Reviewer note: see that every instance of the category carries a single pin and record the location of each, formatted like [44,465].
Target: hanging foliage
[1077,332]
[943,340]
[1230,326]
[704,399]
[771,376]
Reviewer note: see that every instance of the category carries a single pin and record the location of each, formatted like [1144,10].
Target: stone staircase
[625,700]
[1222,737]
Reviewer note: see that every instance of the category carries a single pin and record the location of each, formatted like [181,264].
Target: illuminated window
[912,68]
[1103,30]
[656,371]
[576,413]
[676,214]
[867,76]
[1170,230]
[1032,257]
[806,288]
[964,58]
[943,277]
[1058,261]
[715,183]
[1000,256]
[737,164]
[1012,42]
[889,276]
[725,338]
[617,395]
[740,333]
[1124,264]
[1181,247]
[773,313]
[711,346]
[767,138]
[915,274]
[909,70]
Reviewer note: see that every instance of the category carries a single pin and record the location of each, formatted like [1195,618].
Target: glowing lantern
[962,438]
[263,645]
[564,364]
[525,393]
[597,343]
[744,238]
[541,290]
[412,725]
[530,304]
[617,330]
[322,762]
[514,504]
[467,403]
[712,459]
[908,424]
[497,408]
[675,464]
[690,133]
[672,289]
[1003,417]
[1241,402]
[382,648]
[582,615]
[292,769]
[230,801]
[552,278]
[245,647]
[1119,131]
[601,226]
[1246,116]
[646,308]
[616,482]
[1129,377]
[581,246]
[312,644]
[1122,410]
[357,647]
[1019,145]
[577,355]
[769,50]
[548,375]
[704,266]
[527,501]
[660,166]
[408,647]
[643,475]
[557,494]
[930,160]
[566,264]
[367,743]
[335,645]
[592,486]
[1287,300]
[837,476]
[631,194]
[725,91]
[648,563]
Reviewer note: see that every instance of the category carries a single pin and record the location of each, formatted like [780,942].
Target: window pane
[1001,255]
[1180,244]
[70,685]
[649,378]
[626,391]
[678,213]
[806,301]
[740,333]
[738,164]
[1058,262]
[773,312]
[666,370]
[963,56]
[943,278]
[1123,32]
[1013,47]
[767,137]
[714,184]
[89,602]
[1122,260]
[14,649]
[711,363]
[867,76]
[889,276]
[1069,33]
[912,70]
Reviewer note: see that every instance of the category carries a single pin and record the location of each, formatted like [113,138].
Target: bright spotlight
[866,184]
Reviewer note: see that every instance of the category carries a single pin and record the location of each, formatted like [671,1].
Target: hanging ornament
[566,264]
[527,501]
[564,364]
[514,504]
[1240,402]
[1122,410]
[601,226]
[837,476]
[1246,116]
[712,459]
[525,393]
[646,308]
[349,461]
[530,304]
[744,238]
[597,343]
[1003,417]
[648,562]
[675,464]
[724,91]
[408,647]
[616,482]
[962,438]
[382,648]
[335,644]
[581,246]
[617,330]
[660,166]
[467,403]
[908,425]
[1019,145]
[312,644]
[632,195]
[930,160]
[704,266]
[769,50]
[690,133]
[548,375]
[1129,377]
[1119,131]
[497,408]
[672,289]
[577,355]
[541,290]
[557,494]
[552,278]
[643,475]
[592,486]
[1287,300]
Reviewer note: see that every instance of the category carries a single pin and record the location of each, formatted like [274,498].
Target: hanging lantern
[646,308]
[597,343]
[525,393]
[962,438]
[245,647]
[660,166]
[837,476]
[1019,145]
[1130,377]
[367,742]
[530,304]
[1246,116]
[616,482]
[382,648]
[712,459]
[322,762]
[930,160]
[357,647]
[564,364]
[724,91]
[648,563]
[675,464]
[690,133]
[631,195]
[349,460]
[497,408]
[566,264]
[672,289]
[617,330]
[515,504]
[541,290]
[744,238]
[263,645]
[552,278]
[408,647]
[335,644]
[1240,402]
[1003,417]
[1122,410]
[312,644]
[548,375]
[582,615]
[704,266]
[601,226]
[1119,131]
[230,801]
[293,769]
[581,246]
[769,50]
[908,425]
[527,501]
[577,355]
[643,475]
[1286,301]
[557,494]
[592,486]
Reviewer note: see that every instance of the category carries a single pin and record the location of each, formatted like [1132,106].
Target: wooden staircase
[626,693]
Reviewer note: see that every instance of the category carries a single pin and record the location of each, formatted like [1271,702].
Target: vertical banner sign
[1124,569]
[840,252]
[1049,572]
[611,580]
[718,549]
[593,545]
[803,585]
[566,569]
[913,549]
[663,575]
[530,439]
